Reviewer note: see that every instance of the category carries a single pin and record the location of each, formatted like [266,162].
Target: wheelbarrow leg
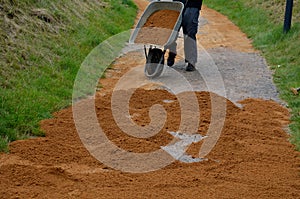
[145,51]
[154,62]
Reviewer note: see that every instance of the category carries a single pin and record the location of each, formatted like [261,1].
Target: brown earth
[156,30]
[221,32]
[158,19]
[252,159]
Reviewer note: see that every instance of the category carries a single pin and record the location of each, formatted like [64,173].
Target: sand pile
[252,158]
[158,27]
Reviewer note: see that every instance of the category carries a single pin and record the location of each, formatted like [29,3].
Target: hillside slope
[42,46]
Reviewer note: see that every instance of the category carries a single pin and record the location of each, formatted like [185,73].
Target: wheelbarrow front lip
[154,7]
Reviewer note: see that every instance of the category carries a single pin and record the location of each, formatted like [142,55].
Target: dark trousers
[190,28]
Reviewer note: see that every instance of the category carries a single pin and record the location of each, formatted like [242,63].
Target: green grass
[262,21]
[40,59]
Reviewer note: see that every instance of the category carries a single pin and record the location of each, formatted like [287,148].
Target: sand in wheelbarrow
[158,27]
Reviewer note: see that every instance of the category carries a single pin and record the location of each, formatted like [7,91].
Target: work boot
[190,67]
[171,59]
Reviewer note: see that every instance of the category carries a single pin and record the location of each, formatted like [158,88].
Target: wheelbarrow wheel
[155,63]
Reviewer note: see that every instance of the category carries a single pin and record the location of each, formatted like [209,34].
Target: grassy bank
[262,21]
[43,44]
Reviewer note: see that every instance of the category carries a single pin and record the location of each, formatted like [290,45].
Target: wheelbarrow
[155,55]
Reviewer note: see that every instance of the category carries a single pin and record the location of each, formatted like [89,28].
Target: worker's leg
[172,52]
[190,29]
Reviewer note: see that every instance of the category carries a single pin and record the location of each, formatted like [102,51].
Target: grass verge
[43,44]
[262,21]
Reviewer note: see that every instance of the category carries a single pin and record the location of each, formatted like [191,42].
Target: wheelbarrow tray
[154,7]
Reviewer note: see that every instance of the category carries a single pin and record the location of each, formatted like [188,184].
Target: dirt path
[252,158]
